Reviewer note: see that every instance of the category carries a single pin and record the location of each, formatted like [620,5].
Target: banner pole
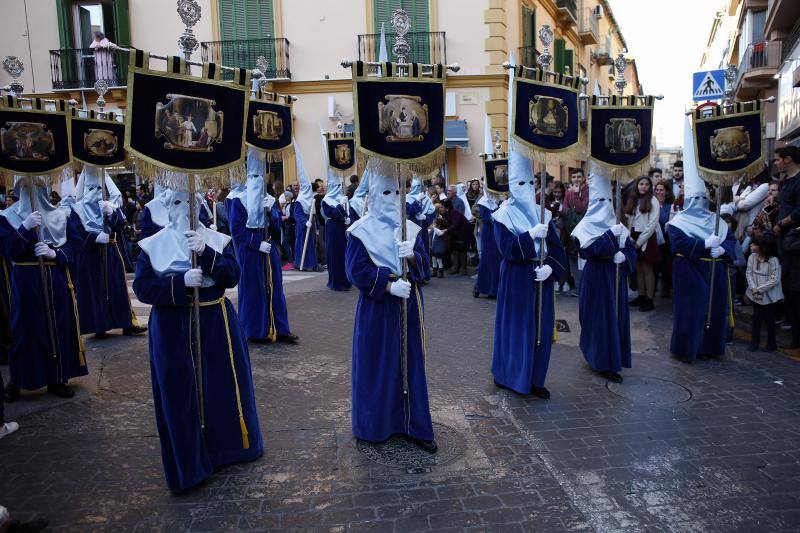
[618,201]
[48,308]
[196,308]
[713,261]
[542,186]
[404,267]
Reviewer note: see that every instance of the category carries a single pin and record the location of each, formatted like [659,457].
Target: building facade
[305,41]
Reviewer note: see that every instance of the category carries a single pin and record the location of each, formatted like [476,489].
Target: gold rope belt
[33,263]
[701,259]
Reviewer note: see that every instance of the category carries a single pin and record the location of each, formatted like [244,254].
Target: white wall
[42,23]
[310,111]
[465,33]
[156,26]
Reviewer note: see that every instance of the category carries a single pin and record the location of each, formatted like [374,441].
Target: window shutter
[558,55]
[122,22]
[420,23]
[569,61]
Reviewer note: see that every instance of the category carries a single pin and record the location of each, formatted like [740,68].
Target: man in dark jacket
[787,161]
[459,231]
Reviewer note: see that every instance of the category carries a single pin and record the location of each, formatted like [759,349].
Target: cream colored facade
[479,36]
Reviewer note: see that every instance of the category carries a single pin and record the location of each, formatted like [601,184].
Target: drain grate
[650,390]
[562,326]
[397,452]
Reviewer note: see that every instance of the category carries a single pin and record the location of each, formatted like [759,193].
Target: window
[418,37]
[528,27]
[246,29]
[563,59]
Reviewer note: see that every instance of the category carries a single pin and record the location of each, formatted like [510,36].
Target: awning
[455,134]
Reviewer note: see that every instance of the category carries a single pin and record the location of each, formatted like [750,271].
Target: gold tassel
[245,439]
[726,180]
[425,167]
[624,174]
[564,157]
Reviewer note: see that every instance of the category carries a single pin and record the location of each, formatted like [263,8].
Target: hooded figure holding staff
[338,215]
[305,257]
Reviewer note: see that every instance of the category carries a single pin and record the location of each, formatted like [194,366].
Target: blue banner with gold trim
[620,133]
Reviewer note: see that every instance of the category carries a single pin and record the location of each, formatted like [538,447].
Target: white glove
[717,251]
[106,207]
[42,249]
[308,223]
[343,201]
[346,221]
[405,249]
[195,241]
[265,247]
[619,258]
[102,238]
[213,227]
[193,277]
[616,229]
[401,289]
[34,220]
[543,272]
[713,241]
[267,202]
[539,231]
[420,196]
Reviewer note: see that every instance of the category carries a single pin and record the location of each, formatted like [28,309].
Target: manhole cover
[399,453]
[562,326]
[654,391]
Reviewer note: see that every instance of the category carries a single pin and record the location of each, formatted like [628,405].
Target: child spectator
[764,290]
[438,245]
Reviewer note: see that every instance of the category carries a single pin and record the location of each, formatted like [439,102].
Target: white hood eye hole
[387,192]
[521,183]
[531,182]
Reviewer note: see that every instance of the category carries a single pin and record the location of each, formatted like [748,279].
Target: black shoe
[647,305]
[102,335]
[613,377]
[134,330]
[540,392]
[34,526]
[475,293]
[287,338]
[441,272]
[12,393]
[61,390]
[428,446]
[752,347]
[639,300]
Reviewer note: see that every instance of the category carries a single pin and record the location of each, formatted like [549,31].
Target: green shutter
[66,35]
[241,21]
[569,61]
[558,55]
[420,23]
[122,23]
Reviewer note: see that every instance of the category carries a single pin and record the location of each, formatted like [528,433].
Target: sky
[667,39]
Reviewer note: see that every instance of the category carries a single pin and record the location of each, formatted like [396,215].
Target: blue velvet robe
[32,364]
[100,309]
[335,244]
[605,334]
[188,453]
[379,409]
[411,212]
[517,363]
[300,219]
[691,277]
[262,303]
[489,263]
[5,295]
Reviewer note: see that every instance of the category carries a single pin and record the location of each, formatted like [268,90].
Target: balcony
[566,13]
[602,56]
[426,47]
[587,28]
[80,68]
[528,56]
[781,16]
[757,69]
[243,53]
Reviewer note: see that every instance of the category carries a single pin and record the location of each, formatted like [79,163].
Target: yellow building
[305,40]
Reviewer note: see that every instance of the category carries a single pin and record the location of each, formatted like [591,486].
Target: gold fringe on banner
[224,178]
[564,157]
[53,179]
[726,180]
[622,174]
[424,167]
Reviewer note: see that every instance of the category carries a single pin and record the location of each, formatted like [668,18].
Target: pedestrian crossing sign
[708,85]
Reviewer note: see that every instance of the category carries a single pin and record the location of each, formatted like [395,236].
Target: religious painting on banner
[341,151]
[96,140]
[729,142]
[34,141]
[269,124]
[496,170]
[400,119]
[620,134]
[545,115]
[183,123]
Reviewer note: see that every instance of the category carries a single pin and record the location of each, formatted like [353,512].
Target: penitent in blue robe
[5,295]
[300,219]
[262,303]
[32,364]
[232,433]
[379,410]
[103,301]
[605,332]
[489,263]
[691,278]
[335,244]
[517,363]
[412,212]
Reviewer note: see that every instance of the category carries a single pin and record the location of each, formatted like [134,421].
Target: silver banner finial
[260,72]
[496,139]
[546,37]
[730,78]
[190,13]
[101,88]
[620,64]
[401,24]
[14,68]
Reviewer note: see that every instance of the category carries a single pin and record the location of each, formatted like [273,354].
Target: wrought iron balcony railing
[244,54]
[760,55]
[570,7]
[528,56]
[426,47]
[80,68]
[587,26]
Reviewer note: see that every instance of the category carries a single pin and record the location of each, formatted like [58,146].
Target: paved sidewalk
[713,446]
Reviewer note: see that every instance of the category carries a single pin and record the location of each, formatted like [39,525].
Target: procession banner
[400,120]
[269,125]
[34,141]
[96,140]
[183,123]
[341,149]
[496,170]
[620,134]
[545,115]
[729,142]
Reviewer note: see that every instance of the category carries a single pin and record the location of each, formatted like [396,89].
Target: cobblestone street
[713,446]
